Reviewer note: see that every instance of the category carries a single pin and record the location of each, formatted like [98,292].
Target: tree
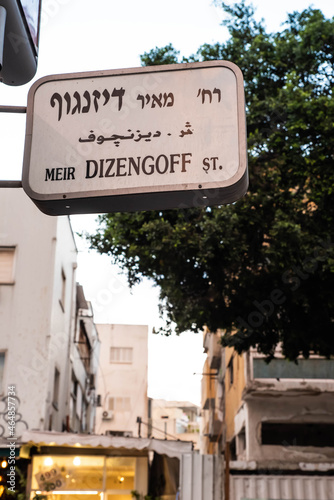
[260,269]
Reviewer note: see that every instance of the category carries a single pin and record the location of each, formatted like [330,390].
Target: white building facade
[40,320]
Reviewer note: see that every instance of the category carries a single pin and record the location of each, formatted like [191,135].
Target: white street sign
[156,137]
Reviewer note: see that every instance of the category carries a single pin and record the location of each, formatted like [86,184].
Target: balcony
[215,427]
[209,404]
[213,348]
[307,376]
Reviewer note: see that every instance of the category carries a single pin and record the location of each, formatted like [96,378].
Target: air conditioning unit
[119,433]
[107,415]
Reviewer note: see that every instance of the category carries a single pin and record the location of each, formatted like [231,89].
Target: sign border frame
[136,198]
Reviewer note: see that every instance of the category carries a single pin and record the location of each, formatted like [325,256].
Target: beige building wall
[235,383]
[208,398]
[122,380]
[175,420]
[212,408]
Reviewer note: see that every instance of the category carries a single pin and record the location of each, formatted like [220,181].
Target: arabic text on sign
[136,136]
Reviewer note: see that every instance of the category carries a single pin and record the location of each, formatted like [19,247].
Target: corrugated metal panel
[282,488]
[198,477]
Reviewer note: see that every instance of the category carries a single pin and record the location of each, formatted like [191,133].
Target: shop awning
[162,447]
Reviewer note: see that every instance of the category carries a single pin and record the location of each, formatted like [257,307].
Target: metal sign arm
[13,109]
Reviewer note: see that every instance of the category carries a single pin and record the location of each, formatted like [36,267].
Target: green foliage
[21,484]
[260,269]
[165,55]
[135,494]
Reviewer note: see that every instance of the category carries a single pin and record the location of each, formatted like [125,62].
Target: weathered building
[273,422]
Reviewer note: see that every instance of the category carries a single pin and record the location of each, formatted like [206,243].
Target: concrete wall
[289,408]
[123,379]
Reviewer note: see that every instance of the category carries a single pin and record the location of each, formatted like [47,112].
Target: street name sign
[150,138]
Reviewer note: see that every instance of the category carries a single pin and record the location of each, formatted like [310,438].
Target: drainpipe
[139,426]
[227,471]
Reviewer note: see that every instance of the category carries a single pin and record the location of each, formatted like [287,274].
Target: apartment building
[273,423]
[49,356]
[175,420]
[48,340]
[122,381]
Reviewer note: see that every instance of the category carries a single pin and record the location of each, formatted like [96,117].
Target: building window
[7,255]
[241,442]
[119,404]
[82,473]
[87,476]
[121,354]
[2,371]
[74,421]
[84,417]
[56,385]
[84,347]
[63,290]
[230,371]
[297,434]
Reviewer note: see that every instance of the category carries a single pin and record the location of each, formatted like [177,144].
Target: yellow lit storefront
[90,467]
[83,477]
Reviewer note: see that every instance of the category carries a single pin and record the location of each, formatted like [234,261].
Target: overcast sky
[81,35]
